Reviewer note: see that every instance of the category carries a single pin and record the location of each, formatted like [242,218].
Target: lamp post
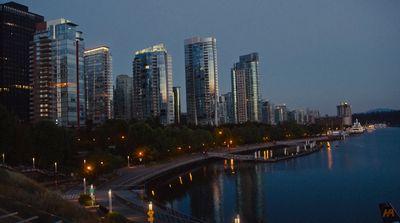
[150,213]
[110,201]
[92,193]
[55,173]
[140,157]
[84,185]
[128,161]
[33,162]
[237,219]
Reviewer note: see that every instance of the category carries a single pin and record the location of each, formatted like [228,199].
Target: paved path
[134,208]
[134,176]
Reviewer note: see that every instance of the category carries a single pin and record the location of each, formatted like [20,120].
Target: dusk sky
[313,53]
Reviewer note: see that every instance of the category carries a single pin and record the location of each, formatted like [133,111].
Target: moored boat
[357,128]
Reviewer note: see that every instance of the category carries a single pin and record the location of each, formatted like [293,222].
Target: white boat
[357,128]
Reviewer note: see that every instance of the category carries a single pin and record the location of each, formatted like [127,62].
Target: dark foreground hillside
[23,195]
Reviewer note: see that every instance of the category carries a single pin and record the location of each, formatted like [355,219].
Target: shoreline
[134,182]
[136,176]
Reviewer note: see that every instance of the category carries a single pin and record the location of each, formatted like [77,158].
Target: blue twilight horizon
[313,53]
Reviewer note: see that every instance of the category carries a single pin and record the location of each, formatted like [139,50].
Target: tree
[7,130]
[50,142]
[140,134]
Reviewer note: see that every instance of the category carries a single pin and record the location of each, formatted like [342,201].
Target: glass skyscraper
[57,72]
[123,97]
[177,104]
[281,113]
[267,112]
[222,110]
[17,27]
[201,80]
[246,90]
[152,85]
[99,91]
[229,107]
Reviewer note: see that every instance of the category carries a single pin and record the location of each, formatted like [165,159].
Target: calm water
[344,184]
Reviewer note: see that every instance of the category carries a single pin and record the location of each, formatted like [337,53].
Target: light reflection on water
[343,184]
[330,161]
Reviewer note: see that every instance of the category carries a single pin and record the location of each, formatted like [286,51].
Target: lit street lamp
[92,193]
[110,201]
[84,185]
[237,219]
[128,161]
[150,213]
[55,173]
[89,168]
[140,156]
[33,162]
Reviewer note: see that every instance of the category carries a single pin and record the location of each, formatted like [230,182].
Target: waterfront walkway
[135,176]
[129,204]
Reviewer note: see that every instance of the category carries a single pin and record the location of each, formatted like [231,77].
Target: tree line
[391,118]
[142,141]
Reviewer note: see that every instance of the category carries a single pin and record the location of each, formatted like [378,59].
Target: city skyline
[95,127]
[349,45]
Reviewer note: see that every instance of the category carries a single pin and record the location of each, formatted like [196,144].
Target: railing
[307,148]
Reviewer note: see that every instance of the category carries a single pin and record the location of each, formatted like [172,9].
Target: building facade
[230,119]
[201,71]
[177,104]
[152,85]
[311,116]
[99,91]
[57,74]
[17,27]
[281,113]
[267,113]
[123,97]
[245,89]
[297,116]
[222,110]
[344,112]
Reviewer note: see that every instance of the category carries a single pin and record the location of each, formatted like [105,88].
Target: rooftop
[95,50]
[156,48]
